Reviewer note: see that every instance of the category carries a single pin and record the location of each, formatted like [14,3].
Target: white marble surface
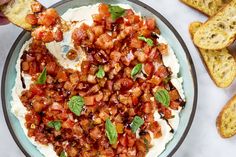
[203,139]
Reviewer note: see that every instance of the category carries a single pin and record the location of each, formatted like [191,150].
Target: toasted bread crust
[221,123]
[17,10]
[219,31]
[196,8]
[220,64]
[209,9]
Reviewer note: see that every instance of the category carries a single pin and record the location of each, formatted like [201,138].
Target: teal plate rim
[157,14]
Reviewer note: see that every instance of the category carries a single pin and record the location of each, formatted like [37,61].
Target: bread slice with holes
[208,7]
[226,120]
[219,31]
[220,64]
[17,10]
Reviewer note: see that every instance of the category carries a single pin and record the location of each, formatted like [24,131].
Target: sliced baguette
[219,63]
[208,7]
[219,31]
[226,120]
[16,11]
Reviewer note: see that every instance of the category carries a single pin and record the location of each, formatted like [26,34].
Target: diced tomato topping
[31,19]
[136,43]
[174,94]
[68,124]
[36,89]
[61,76]
[104,9]
[51,68]
[89,100]
[151,23]
[147,107]
[36,7]
[38,107]
[47,37]
[58,35]
[162,72]
[149,68]
[135,100]
[174,105]
[48,18]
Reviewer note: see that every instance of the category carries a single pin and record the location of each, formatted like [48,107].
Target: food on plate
[226,121]
[44,24]
[220,64]
[208,7]
[111,87]
[219,31]
[17,10]
[47,24]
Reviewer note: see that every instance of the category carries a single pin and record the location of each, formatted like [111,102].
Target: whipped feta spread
[58,50]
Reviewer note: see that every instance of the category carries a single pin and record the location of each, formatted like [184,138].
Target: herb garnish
[147,40]
[137,69]
[116,12]
[111,132]
[163,97]
[136,123]
[76,104]
[146,144]
[42,77]
[101,73]
[55,124]
[63,154]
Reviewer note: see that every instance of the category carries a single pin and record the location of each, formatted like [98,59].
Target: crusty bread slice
[226,120]
[208,7]
[219,63]
[16,11]
[219,31]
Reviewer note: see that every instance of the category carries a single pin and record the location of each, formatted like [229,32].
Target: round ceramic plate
[187,71]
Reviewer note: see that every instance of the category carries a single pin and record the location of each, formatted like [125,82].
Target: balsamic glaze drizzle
[22,81]
[168,123]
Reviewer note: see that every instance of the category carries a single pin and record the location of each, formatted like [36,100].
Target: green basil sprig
[55,124]
[163,97]
[137,69]
[101,73]
[147,40]
[76,104]
[63,154]
[111,132]
[146,144]
[136,123]
[42,77]
[116,12]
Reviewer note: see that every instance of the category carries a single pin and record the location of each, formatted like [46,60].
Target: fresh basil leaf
[111,132]
[55,124]
[42,77]
[146,144]
[147,40]
[76,104]
[101,73]
[63,154]
[136,123]
[163,97]
[137,69]
[116,12]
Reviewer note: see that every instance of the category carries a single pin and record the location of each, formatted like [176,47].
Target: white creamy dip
[170,60]
[83,14]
